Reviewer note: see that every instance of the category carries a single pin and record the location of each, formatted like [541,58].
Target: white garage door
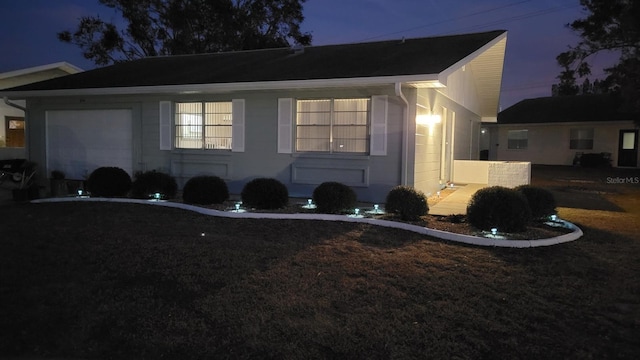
[79,141]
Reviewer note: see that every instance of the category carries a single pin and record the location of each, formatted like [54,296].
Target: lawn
[128,281]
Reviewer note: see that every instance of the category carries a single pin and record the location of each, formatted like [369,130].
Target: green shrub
[205,190]
[541,201]
[407,202]
[498,207]
[109,181]
[146,184]
[265,193]
[592,160]
[333,197]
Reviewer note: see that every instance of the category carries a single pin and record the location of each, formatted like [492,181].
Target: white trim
[165,120]
[378,135]
[237,128]
[429,80]
[285,126]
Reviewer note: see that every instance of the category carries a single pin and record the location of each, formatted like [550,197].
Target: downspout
[405,134]
[6,101]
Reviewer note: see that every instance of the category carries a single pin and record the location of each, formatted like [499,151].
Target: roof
[37,73]
[420,59]
[560,109]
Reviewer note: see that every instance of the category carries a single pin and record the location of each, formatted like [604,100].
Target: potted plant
[58,183]
[27,188]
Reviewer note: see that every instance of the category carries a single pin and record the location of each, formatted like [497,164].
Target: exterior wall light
[428,119]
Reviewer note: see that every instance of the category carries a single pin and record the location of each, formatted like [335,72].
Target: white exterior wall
[548,144]
[370,176]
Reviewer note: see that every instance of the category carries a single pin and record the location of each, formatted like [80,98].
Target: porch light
[428,119]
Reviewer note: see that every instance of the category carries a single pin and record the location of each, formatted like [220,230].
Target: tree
[175,27]
[610,25]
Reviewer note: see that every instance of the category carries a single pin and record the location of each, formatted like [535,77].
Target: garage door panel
[79,141]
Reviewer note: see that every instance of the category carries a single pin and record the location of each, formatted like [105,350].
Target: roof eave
[428,80]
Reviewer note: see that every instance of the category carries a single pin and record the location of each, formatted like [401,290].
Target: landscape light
[79,192]
[157,196]
[554,217]
[494,231]
[376,207]
[237,206]
[310,202]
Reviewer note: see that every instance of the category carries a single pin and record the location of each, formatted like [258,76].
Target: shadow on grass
[106,280]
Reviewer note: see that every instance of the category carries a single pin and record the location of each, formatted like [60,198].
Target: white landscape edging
[575,234]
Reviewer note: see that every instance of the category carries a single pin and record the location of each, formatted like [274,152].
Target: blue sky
[537,31]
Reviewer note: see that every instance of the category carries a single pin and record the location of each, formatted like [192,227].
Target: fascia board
[227,87]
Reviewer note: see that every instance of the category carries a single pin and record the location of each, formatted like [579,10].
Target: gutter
[405,136]
[6,101]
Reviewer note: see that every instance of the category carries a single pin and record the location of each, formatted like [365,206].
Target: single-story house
[370,115]
[12,123]
[559,130]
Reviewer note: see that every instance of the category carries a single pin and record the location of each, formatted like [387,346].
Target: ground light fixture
[309,204]
[494,231]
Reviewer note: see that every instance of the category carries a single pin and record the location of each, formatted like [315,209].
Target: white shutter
[285,125]
[378,125]
[165,125]
[237,125]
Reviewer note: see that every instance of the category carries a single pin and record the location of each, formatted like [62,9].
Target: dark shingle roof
[376,59]
[560,109]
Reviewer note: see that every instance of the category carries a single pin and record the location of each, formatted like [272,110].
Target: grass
[125,281]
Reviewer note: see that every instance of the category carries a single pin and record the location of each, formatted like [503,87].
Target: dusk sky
[537,31]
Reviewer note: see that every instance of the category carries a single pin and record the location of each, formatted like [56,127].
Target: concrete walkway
[456,202]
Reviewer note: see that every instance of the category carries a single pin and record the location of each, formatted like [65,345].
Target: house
[12,123]
[370,115]
[559,130]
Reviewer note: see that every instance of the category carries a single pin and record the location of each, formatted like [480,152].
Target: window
[203,125]
[581,139]
[12,132]
[517,139]
[333,125]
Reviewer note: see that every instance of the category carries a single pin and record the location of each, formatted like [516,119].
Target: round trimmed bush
[265,193]
[407,202]
[499,207]
[541,201]
[205,190]
[150,182]
[109,181]
[333,197]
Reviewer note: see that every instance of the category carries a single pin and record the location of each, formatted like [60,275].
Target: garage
[79,141]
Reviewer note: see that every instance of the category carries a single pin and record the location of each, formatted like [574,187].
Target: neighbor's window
[581,139]
[12,132]
[517,139]
[333,125]
[203,125]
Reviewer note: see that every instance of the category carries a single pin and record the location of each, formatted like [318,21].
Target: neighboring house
[12,124]
[558,130]
[369,115]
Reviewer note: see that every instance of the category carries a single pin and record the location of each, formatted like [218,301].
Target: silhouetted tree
[610,25]
[174,27]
